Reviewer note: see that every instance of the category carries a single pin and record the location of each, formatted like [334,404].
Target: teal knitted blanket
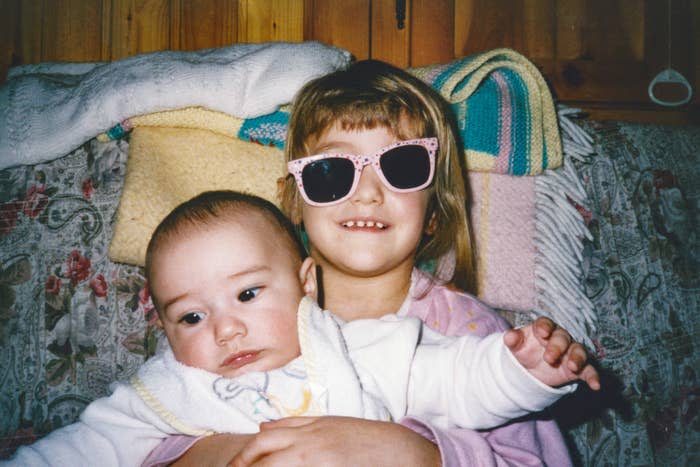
[504,110]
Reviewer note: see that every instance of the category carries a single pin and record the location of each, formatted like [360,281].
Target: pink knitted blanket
[528,238]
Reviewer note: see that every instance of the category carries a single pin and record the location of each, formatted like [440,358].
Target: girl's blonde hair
[372,94]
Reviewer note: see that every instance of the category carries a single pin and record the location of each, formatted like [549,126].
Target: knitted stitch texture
[48,111]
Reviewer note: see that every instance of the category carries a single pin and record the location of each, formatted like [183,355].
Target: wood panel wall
[596,54]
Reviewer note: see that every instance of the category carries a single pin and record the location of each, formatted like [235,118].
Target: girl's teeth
[362,224]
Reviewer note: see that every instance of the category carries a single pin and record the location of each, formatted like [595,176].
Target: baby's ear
[307,278]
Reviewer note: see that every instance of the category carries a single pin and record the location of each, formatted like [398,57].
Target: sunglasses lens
[327,180]
[406,167]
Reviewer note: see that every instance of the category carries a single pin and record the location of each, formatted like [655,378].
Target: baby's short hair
[212,207]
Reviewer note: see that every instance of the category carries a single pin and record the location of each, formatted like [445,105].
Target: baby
[248,343]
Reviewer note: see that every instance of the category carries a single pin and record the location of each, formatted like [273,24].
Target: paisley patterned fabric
[71,321]
[644,280]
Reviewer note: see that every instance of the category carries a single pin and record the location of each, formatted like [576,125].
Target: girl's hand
[336,441]
[550,355]
[213,451]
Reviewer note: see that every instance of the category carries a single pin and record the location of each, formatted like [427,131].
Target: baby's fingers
[514,339]
[557,346]
[543,328]
[577,363]
[263,444]
[577,358]
[591,377]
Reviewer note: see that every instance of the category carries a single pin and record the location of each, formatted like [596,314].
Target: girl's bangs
[402,122]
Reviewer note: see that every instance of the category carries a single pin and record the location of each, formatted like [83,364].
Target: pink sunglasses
[327,179]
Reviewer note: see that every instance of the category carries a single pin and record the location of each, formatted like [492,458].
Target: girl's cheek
[315,221]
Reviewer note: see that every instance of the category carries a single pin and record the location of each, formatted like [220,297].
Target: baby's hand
[550,355]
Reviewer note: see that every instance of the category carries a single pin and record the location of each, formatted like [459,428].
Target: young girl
[367,230]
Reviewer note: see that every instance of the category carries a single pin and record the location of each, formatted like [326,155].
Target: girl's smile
[365,224]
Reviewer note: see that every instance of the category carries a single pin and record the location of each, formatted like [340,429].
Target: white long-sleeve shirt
[379,369]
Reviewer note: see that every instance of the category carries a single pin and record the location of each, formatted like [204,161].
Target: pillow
[167,166]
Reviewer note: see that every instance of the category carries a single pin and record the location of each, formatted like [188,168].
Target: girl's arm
[332,441]
[305,441]
[188,451]
[337,441]
[523,443]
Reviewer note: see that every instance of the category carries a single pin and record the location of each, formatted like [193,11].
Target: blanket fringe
[560,231]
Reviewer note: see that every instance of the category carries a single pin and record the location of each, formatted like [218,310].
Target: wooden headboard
[599,55]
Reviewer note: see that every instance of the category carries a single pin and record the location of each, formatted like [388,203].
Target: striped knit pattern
[505,112]
[504,109]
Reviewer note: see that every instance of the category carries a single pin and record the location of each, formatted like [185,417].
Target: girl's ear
[431,225]
[307,278]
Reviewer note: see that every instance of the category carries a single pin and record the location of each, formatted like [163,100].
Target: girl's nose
[227,328]
[369,187]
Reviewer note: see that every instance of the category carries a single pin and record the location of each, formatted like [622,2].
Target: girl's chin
[366,267]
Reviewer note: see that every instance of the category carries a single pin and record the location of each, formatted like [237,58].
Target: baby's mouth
[364,224]
[241,359]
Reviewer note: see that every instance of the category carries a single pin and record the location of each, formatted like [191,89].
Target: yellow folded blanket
[167,166]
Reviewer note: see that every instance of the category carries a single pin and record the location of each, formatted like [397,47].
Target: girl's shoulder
[451,311]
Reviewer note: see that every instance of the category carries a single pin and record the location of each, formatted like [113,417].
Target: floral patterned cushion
[71,320]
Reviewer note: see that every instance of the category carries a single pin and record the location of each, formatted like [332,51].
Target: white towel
[49,110]
[323,381]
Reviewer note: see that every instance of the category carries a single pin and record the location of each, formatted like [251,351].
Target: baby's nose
[227,328]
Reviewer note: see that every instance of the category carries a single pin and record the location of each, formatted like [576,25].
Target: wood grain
[205,23]
[388,42]
[138,26]
[598,53]
[344,23]
[9,34]
[426,46]
[65,39]
[270,20]
[31,31]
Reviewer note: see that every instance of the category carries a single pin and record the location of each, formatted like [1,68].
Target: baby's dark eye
[192,318]
[249,294]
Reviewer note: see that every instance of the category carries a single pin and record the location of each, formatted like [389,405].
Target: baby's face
[228,295]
